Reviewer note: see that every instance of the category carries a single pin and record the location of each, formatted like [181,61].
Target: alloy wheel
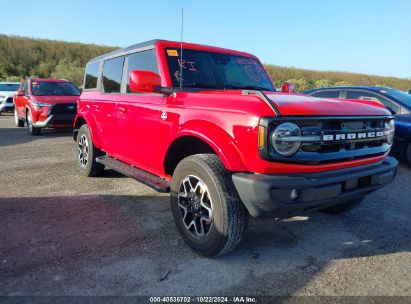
[29,122]
[83,150]
[196,206]
[16,119]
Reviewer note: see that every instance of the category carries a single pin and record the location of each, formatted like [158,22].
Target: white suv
[7,90]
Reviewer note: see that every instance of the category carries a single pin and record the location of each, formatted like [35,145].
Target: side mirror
[391,110]
[144,81]
[20,93]
[288,87]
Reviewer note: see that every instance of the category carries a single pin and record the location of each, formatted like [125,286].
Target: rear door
[138,119]
[106,105]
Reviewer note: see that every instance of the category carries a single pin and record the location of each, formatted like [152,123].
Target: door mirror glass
[288,87]
[144,81]
[20,93]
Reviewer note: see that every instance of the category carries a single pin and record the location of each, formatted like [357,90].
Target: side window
[327,94]
[92,71]
[112,71]
[142,61]
[365,95]
[25,88]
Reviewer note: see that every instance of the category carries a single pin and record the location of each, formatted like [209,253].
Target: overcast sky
[364,36]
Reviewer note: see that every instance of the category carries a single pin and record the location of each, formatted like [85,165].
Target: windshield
[217,70]
[54,88]
[402,97]
[11,87]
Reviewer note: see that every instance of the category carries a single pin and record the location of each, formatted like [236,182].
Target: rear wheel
[87,153]
[32,129]
[343,207]
[206,207]
[19,123]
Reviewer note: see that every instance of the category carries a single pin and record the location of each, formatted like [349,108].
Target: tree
[322,83]
[69,70]
[342,83]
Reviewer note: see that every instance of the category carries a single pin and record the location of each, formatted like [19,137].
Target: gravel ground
[62,234]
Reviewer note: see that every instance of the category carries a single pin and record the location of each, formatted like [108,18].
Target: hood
[297,104]
[7,93]
[56,99]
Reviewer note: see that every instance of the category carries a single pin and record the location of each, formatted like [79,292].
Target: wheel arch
[195,142]
[78,122]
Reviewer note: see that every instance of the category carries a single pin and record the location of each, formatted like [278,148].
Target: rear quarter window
[91,75]
[112,73]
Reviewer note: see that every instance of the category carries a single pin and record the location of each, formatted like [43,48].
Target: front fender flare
[221,142]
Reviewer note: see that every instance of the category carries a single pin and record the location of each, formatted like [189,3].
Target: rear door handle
[97,107]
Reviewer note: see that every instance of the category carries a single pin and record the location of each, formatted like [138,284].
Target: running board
[144,177]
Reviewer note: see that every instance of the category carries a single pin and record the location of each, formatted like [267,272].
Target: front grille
[343,127]
[63,109]
[339,138]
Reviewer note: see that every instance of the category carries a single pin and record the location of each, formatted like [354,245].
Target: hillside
[21,57]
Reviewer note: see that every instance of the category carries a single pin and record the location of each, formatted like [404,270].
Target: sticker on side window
[173,53]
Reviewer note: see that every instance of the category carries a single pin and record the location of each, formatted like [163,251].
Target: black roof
[127,50]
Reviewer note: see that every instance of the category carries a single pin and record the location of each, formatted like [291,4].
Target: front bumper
[6,107]
[270,195]
[56,120]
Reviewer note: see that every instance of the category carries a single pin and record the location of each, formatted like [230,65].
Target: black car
[398,102]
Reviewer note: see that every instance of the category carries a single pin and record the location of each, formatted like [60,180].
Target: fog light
[294,194]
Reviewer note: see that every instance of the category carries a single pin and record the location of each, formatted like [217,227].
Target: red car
[207,125]
[45,103]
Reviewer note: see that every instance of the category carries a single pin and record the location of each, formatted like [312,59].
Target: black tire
[344,207]
[229,217]
[19,123]
[408,154]
[32,129]
[87,166]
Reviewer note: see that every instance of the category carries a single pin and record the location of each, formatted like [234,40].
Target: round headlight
[283,137]
[391,131]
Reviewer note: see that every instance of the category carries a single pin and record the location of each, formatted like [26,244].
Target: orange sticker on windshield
[172,53]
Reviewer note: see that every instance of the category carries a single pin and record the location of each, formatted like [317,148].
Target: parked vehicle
[208,126]
[7,90]
[398,102]
[45,103]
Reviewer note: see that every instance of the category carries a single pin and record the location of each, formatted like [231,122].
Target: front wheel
[19,123]
[87,153]
[337,209]
[206,207]
[32,129]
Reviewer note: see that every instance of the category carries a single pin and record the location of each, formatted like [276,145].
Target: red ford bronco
[207,125]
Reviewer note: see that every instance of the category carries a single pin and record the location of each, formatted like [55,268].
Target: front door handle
[122,110]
